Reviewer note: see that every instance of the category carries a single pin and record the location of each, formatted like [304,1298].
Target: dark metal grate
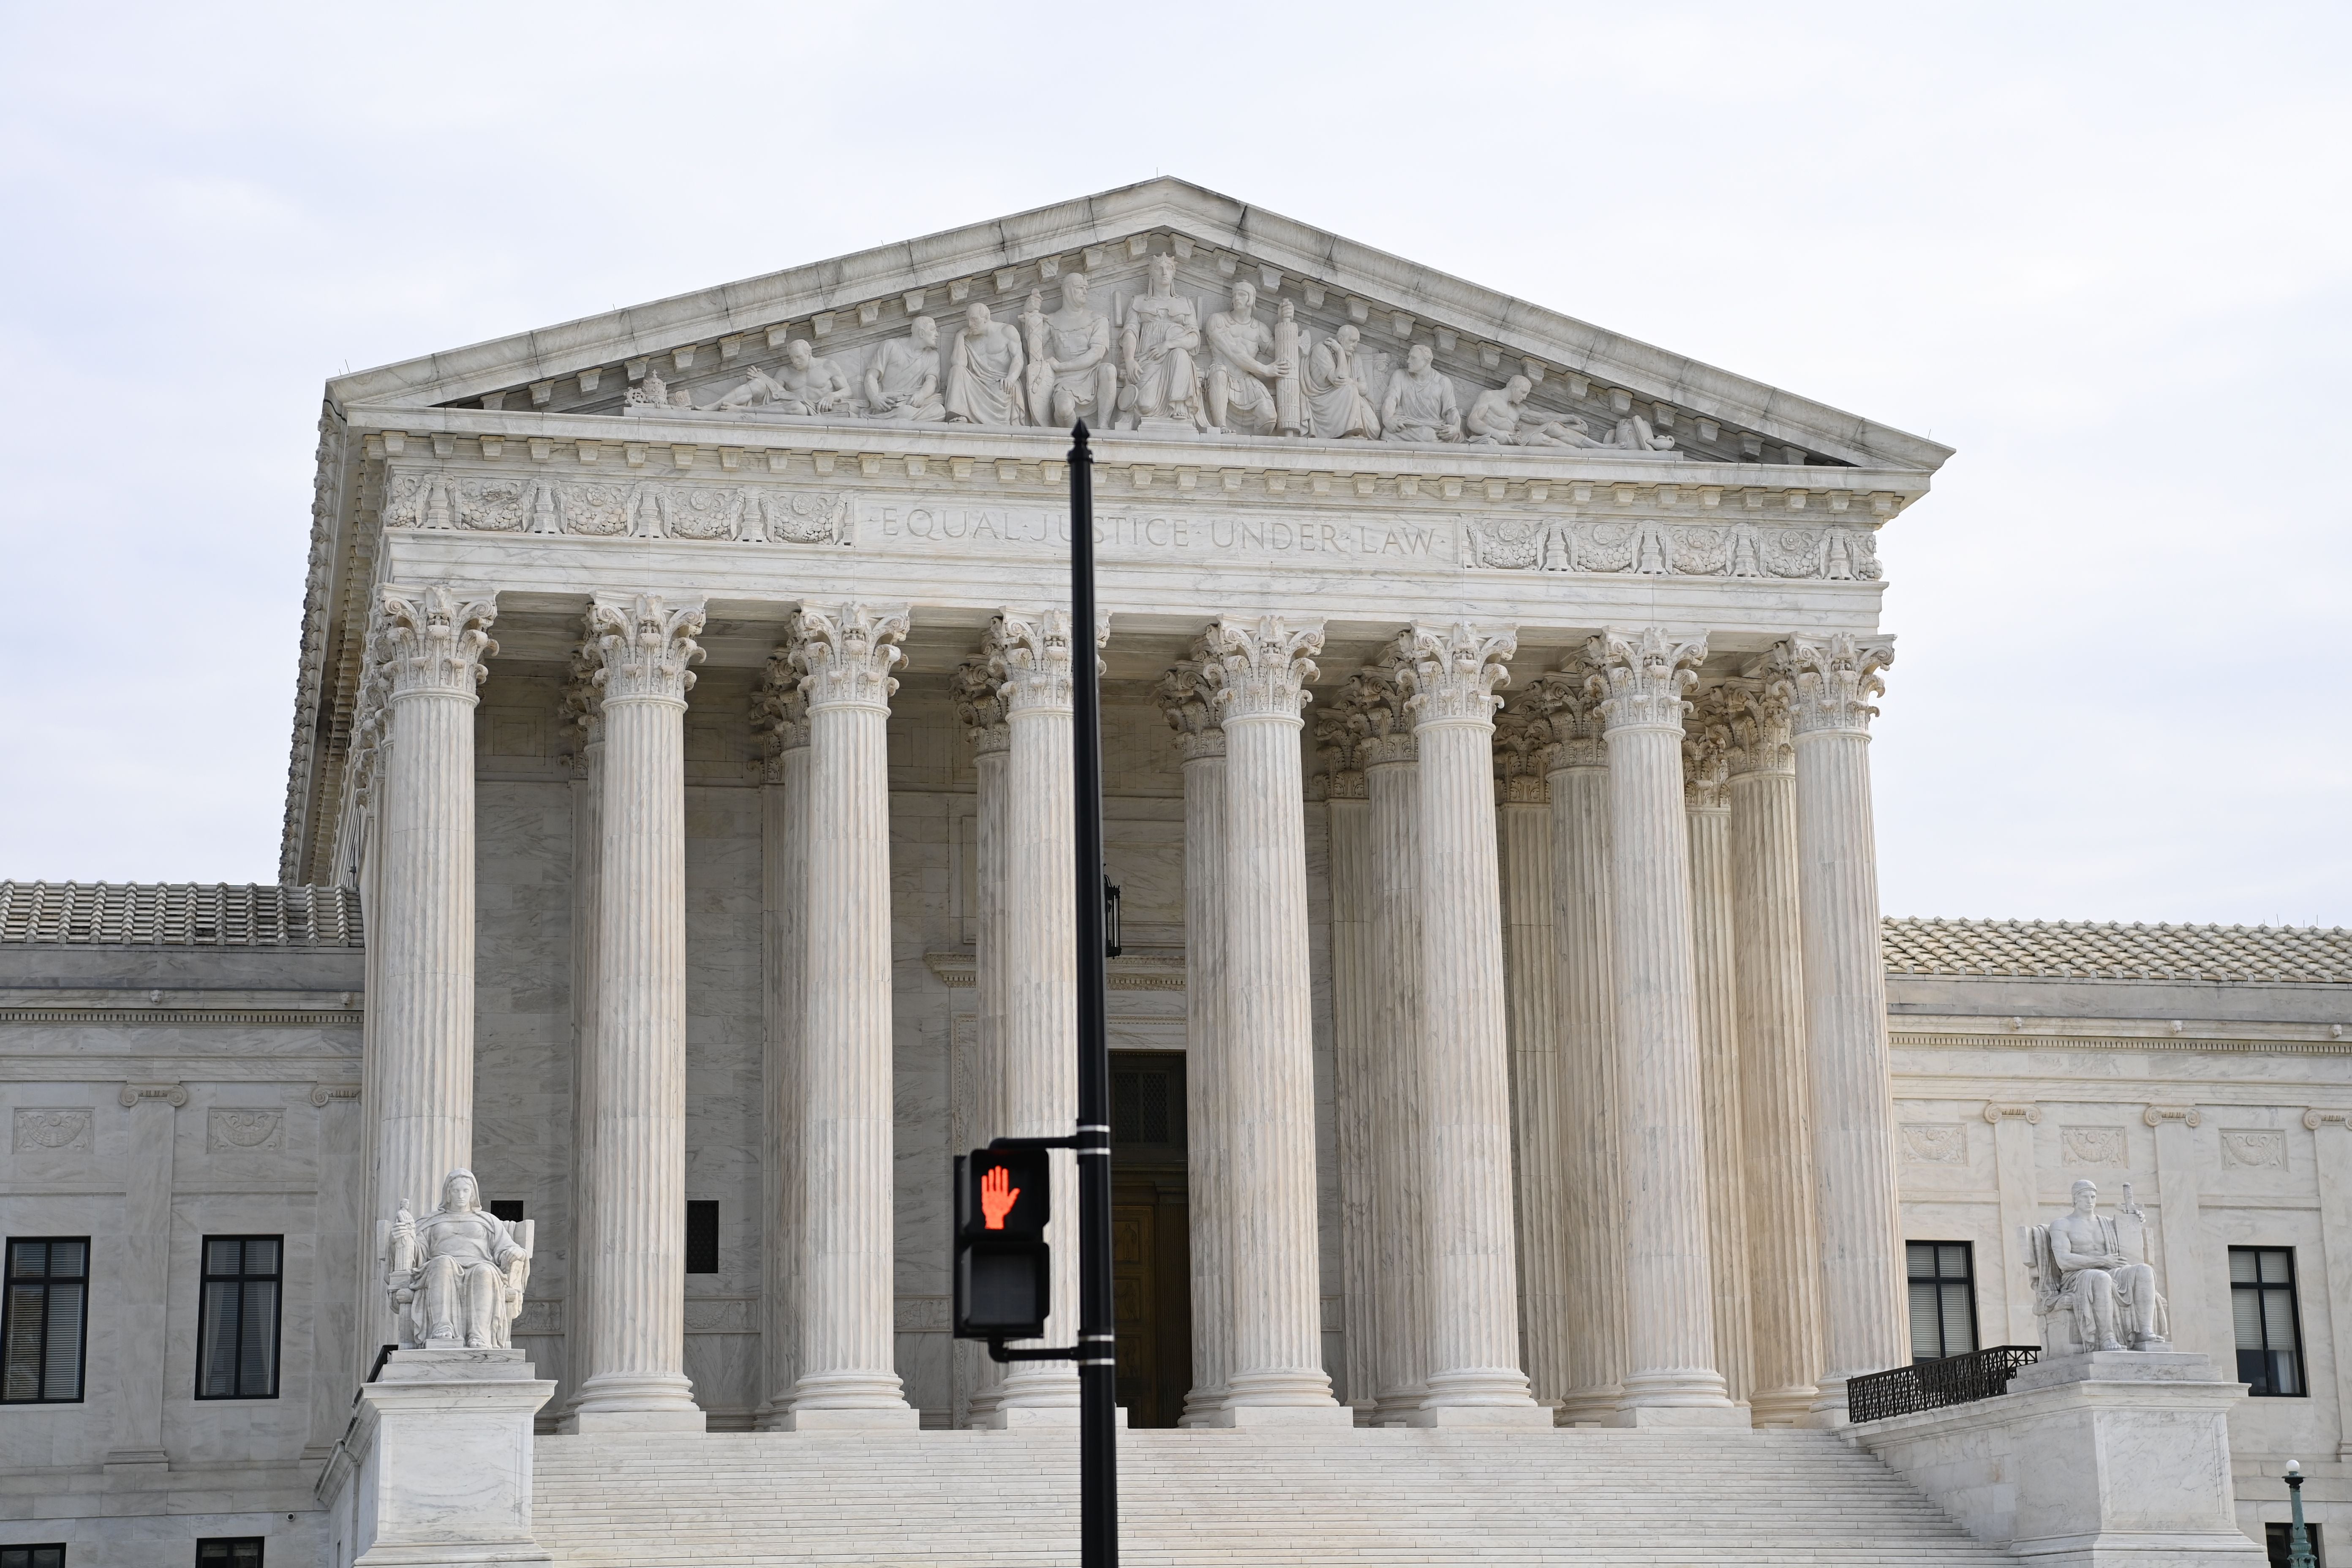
[1932,1385]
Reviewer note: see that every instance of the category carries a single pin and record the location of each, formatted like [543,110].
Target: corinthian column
[1472,1308]
[637,1227]
[1258,670]
[1708,811]
[1347,808]
[583,714]
[847,1376]
[432,640]
[1531,1001]
[1186,699]
[781,717]
[1784,1262]
[1373,709]
[1671,1377]
[1863,1330]
[1577,775]
[1031,655]
[980,704]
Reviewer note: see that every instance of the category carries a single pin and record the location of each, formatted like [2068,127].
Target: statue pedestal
[435,1470]
[2106,1459]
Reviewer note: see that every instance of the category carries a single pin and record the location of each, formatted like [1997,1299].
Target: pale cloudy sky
[2101,249]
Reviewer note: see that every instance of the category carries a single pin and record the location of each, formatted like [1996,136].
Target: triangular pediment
[704,354]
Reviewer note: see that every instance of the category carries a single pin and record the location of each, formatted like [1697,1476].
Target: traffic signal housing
[1003,1275]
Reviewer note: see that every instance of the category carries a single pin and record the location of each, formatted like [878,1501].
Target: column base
[1521,1416]
[1330,1416]
[1681,1417]
[1590,1407]
[594,1423]
[901,1418]
[1782,1406]
[1037,1418]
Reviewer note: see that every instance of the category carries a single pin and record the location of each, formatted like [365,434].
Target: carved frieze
[631,509]
[38,1130]
[1658,547]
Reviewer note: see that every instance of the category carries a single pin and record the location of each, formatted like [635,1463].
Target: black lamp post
[2299,1540]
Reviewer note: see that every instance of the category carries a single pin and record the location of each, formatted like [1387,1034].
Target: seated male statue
[1502,418]
[903,381]
[2111,1296]
[809,385]
[456,1275]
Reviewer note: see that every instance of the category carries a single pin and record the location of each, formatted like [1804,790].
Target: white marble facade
[1487,707]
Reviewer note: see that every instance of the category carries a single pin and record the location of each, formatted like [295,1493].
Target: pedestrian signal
[1001,1275]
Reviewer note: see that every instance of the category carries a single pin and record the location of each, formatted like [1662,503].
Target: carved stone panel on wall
[2093,1145]
[1935,1144]
[639,509]
[1657,548]
[721,1315]
[50,1131]
[245,1129]
[2254,1150]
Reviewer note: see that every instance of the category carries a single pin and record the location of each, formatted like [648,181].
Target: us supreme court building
[1511,1057]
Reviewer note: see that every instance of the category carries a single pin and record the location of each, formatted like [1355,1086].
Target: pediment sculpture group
[1163,369]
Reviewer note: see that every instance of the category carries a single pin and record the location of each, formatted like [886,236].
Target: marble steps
[1199,1498]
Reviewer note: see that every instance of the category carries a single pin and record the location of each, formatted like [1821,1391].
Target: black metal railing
[1932,1385]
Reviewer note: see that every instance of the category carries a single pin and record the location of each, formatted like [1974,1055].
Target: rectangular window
[2269,1329]
[49,1556]
[231,1552]
[237,1327]
[1943,1299]
[2275,1545]
[43,1322]
[507,1209]
[702,1236]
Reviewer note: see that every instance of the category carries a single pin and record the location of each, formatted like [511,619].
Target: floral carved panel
[50,1131]
[2093,1145]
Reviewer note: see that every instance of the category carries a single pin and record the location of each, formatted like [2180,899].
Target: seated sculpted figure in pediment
[1502,418]
[1419,404]
[1244,368]
[808,384]
[984,372]
[1160,374]
[2090,1290]
[1339,406]
[903,381]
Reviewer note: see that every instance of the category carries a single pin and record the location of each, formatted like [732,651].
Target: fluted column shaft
[1583,930]
[1400,1359]
[636,1380]
[1259,670]
[980,706]
[847,1361]
[584,710]
[1531,963]
[1709,822]
[432,641]
[1784,1260]
[1671,1377]
[1030,655]
[1354,1070]
[1471,1308]
[1851,1077]
[784,837]
[1188,700]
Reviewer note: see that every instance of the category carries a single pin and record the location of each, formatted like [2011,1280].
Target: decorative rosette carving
[1259,668]
[846,657]
[1640,677]
[1451,671]
[1831,680]
[1185,698]
[436,638]
[646,646]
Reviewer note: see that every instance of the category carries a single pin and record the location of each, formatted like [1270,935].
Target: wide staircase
[1386,1497]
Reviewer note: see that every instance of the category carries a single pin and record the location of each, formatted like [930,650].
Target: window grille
[1943,1299]
[702,1236]
[229,1552]
[2269,1328]
[51,1554]
[45,1320]
[1147,1105]
[237,1319]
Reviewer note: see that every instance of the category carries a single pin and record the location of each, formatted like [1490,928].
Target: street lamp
[2299,1540]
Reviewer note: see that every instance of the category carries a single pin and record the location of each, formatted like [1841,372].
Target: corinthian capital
[845,657]
[779,712]
[1758,706]
[1523,745]
[1030,653]
[1259,668]
[1185,696]
[1707,751]
[1453,671]
[646,645]
[1376,707]
[1640,677]
[979,703]
[1831,680]
[434,639]
[1560,698]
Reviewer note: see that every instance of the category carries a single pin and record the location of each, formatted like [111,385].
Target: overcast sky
[2101,249]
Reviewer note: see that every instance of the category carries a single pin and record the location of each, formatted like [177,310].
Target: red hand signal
[997,1197]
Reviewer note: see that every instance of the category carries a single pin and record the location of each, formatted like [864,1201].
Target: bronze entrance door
[1150,1243]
